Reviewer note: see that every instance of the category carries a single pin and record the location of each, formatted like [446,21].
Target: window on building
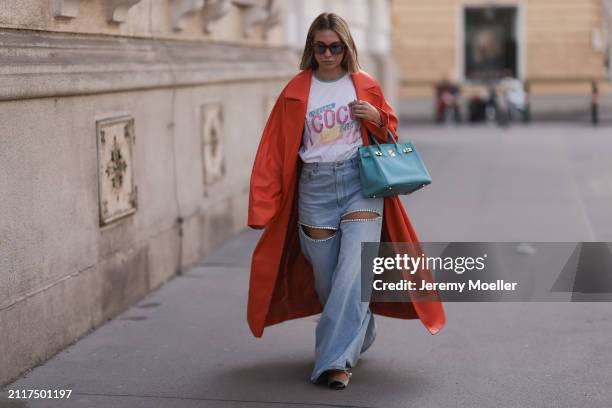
[490,42]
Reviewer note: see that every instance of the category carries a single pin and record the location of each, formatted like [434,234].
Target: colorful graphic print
[331,125]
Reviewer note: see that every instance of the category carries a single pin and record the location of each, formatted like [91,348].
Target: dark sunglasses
[335,48]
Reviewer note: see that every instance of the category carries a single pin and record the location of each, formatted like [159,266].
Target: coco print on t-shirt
[331,125]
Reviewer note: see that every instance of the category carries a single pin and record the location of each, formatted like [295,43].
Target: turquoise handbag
[390,169]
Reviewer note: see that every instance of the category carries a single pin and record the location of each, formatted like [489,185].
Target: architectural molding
[213,11]
[119,10]
[264,13]
[259,12]
[273,17]
[37,64]
[66,8]
[182,9]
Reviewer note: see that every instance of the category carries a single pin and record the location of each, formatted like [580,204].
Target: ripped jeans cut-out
[302,229]
[343,219]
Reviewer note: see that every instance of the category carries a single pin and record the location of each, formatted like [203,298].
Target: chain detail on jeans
[354,211]
[314,226]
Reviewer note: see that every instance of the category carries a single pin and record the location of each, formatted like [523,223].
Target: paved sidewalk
[188,344]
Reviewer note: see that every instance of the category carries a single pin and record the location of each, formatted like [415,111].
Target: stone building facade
[128,130]
[558,46]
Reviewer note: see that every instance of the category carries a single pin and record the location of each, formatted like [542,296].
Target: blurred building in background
[127,134]
[558,48]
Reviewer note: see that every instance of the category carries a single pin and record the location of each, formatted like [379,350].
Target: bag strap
[389,135]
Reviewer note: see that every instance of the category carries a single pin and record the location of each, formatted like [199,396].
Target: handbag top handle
[389,136]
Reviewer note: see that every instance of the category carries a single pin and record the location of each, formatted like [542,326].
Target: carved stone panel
[118,195]
[212,143]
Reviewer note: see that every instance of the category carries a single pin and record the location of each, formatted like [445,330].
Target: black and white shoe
[338,379]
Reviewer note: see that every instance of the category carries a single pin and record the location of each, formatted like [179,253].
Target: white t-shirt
[331,132]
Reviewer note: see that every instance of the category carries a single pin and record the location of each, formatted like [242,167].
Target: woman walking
[310,147]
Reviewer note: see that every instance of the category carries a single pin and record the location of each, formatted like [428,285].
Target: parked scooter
[515,99]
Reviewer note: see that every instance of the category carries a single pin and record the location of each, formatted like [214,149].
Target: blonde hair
[331,21]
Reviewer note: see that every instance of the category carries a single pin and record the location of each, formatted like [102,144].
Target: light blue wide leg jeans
[327,192]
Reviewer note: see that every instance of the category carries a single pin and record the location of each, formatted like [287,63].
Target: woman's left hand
[365,110]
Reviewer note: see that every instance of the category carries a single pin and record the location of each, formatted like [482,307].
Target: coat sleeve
[266,177]
[389,120]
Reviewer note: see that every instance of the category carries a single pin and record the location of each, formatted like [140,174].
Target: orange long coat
[281,285]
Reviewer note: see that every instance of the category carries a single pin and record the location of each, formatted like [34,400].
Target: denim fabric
[346,327]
